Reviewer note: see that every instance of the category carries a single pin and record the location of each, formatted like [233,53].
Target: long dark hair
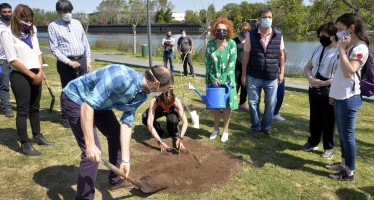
[353,18]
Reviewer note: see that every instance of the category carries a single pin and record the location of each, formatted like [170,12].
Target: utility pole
[149,35]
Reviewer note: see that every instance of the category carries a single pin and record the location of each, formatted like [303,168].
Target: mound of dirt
[198,169]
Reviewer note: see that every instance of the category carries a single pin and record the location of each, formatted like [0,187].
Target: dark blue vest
[264,65]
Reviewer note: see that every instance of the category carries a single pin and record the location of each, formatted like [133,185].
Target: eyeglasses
[221,30]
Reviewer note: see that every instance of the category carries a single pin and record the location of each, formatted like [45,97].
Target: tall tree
[111,10]
[191,17]
[364,8]
[206,20]
[250,10]
[291,17]
[324,11]
[135,14]
[234,14]
[84,18]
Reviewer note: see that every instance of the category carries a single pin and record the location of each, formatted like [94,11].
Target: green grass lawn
[272,168]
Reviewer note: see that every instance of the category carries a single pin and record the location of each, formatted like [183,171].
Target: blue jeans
[170,57]
[280,96]
[4,86]
[254,88]
[345,115]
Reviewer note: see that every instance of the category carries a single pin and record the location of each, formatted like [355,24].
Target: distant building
[178,16]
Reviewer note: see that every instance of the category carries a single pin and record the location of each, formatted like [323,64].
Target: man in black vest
[263,69]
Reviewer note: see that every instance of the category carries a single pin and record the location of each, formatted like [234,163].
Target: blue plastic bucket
[216,97]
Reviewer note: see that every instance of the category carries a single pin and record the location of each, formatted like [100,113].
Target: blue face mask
[266,22]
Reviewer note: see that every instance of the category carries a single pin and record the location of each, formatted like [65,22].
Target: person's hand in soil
[179,144]
[125,167]
[164,147]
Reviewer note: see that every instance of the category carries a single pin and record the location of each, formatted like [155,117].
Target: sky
[89,6]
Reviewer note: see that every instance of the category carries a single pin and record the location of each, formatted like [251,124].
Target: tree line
[291,16]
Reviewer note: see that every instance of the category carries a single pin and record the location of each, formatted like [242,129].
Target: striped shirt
[3,27]
[111,87]
[68,39]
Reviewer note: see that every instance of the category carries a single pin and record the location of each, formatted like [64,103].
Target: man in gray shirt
[6,14]
[185,47]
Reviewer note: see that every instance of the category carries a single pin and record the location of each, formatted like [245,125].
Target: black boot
[27,149]
[40,140]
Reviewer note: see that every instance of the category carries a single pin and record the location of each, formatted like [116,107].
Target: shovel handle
[119,172]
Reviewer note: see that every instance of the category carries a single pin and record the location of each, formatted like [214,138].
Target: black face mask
[6,17]
[243,33]
[168,36]
[221,35]
[325,41]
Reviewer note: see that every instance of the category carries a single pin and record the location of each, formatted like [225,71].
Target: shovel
[49,90]
[144,187]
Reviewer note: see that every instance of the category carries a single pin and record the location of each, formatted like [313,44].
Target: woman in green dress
[220,62]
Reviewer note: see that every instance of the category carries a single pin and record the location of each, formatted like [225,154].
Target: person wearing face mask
[185,47]
[168,43]
[345,90]
[87,103]
[6,15]
[263,69]
[22,50]
[68,43]
[245,27]
[220,56]
[169,106]
[319,70]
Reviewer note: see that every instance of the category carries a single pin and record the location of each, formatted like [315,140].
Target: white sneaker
[225,137]
[213,135]
[279,118]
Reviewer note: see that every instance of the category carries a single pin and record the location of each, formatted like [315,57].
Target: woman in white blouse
[319,71]
[22,51]
[345,90]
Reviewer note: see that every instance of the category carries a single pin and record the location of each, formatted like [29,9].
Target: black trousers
[172,121]
[27,98]
[67,73]
[187,58]
[322,120]
[243,89]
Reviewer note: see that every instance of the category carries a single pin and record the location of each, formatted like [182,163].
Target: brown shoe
[125,184]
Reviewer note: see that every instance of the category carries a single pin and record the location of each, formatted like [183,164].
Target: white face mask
[67,17]
[342,34]
[154,94]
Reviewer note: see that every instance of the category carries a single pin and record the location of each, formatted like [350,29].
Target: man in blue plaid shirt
[69,44]
[87,102]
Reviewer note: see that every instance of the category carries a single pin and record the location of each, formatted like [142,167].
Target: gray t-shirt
[185,44]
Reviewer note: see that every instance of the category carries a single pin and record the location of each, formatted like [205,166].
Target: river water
[298,53]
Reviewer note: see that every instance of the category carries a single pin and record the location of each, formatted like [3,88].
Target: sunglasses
[221,30]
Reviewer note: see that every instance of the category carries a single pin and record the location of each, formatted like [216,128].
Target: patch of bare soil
[198,169]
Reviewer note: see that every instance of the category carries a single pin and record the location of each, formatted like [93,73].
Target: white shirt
[328,59]
[342,87]
[16,49]
[3,27]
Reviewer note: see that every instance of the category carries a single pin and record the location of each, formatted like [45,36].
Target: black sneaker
[328,154]
[266,132]
[9,113]
[342,176]
[335,166]
[65,123]
[307,147]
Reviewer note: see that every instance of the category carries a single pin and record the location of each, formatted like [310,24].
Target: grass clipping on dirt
[198,169]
